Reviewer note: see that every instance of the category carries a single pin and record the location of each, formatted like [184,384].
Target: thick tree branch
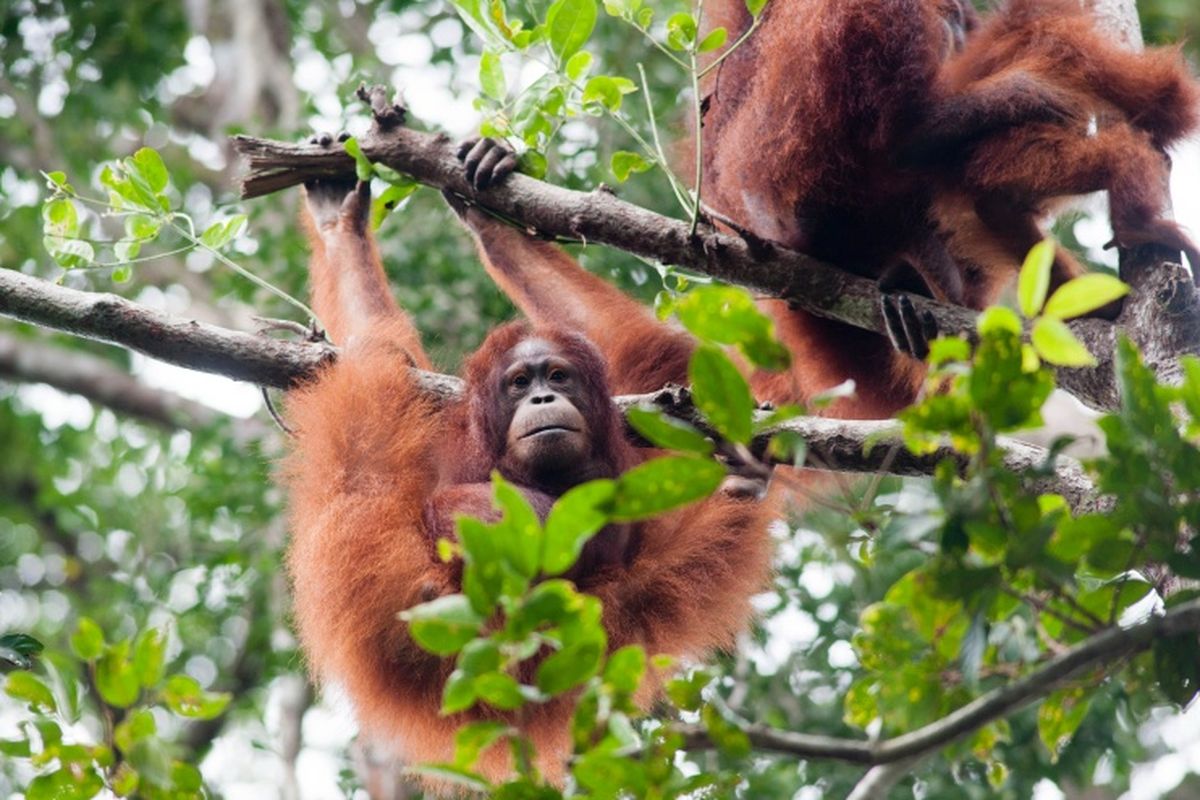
[1163,294]
[1095,653]
[842,445]
[27,360]
[187,343]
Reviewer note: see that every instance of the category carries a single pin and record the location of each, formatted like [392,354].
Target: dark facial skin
[548,437]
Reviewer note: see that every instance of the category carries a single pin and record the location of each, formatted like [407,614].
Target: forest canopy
[988,597]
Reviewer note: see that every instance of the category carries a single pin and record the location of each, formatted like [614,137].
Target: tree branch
[842,445]
[1163,294]
[27,360]
[187,343]
[1096,652]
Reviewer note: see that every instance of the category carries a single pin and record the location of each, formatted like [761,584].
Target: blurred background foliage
[139,523]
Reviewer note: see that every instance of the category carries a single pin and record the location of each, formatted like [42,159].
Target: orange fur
[1117,111]
[371,456]
[800,138]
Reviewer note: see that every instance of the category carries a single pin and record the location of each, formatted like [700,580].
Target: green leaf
[569,667]
[221,233]
[755,7]
[29,688]
[686,692]
[470,741]
[788,447]
[121,274]
[681,30]
[533,164]
[484,580]
[60,218]
[519,533]
[87,642]
[136,727]
[363,169]
[1056,344]
[1059,717]
[715,39]
[187,778]
[625,669]
[575,517]
[1084,295]
[15,748]
[21,643]
[625,163]
[149,166]
[578,65]
[444,625]
[569,23]
[996,319]
[730,740]
[70,253]
[142,226]
[1034,279]
[728,315]
[458,693]
[667,432]
[664,484]
[491,76]
[126,250]
[721,394]
[479,656]
[499,689]
[116,679]
[149,657]
[185,697]
[607,91]
[552,603]
[391,197]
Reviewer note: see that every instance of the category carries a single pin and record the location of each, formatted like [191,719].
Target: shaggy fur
[373,455]
[1114,112]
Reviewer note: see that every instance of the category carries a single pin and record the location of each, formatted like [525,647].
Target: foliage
[171,540]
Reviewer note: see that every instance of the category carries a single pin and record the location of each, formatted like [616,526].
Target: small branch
[1163,294]
[878,782]
[27,360]
[1096,652]
[187,343]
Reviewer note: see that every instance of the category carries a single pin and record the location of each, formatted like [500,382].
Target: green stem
[729,51]
[699,121]
[680,194]
[190,235]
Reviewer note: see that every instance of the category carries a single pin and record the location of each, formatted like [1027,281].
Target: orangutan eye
[521,381]
[558,375]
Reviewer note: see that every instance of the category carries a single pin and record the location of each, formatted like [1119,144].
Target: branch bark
[27,360]
[1163,314]
[187,343]
[1096,652]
